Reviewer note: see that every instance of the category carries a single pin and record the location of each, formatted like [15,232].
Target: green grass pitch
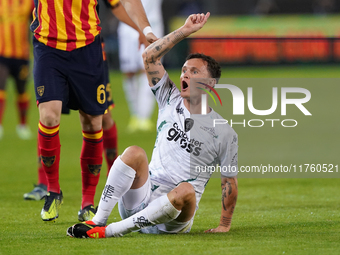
[272,216]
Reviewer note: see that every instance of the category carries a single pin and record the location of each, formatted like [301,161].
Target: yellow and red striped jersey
[14,19]
[66,24]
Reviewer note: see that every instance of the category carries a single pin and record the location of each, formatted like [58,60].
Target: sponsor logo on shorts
[41,90]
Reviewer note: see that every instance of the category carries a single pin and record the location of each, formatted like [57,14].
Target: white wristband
[147,30]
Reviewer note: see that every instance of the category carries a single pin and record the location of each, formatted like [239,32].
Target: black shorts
[18,68]
[76,77]
[109,97]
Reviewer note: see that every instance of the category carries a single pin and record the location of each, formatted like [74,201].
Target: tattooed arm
[229,197]
[153,54]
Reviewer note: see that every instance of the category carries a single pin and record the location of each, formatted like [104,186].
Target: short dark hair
[213,66]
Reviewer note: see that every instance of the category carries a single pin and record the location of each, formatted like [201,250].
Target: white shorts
[130,55]
[136,200]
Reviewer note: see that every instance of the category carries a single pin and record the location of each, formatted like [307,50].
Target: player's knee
[188,190]
[49,118]
[134,157]
[135,152]
[50,113]
[184,193]
[108,122]
[90,123]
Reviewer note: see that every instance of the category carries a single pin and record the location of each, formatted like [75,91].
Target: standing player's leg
[147,99]
[4,73]
[89,96]
[21,76]
[128,53]
[130,88]
[110,140]
[140,99]
[146,102]
[49,151]
[50,82]
[39,190]
[90,161]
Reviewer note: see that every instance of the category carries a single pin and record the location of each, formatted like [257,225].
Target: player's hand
[195,22]
[150,37]
[142,40]
[219,229]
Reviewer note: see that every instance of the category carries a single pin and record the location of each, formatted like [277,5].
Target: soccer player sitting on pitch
[162,197]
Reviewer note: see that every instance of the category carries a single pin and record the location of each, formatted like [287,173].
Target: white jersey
[187,144]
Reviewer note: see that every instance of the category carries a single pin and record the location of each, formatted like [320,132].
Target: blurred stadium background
[244,32]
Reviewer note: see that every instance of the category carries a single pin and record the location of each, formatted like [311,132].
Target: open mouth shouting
[184,85]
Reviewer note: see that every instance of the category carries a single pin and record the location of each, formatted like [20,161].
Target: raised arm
[136,12]
[229,198]
[153,54]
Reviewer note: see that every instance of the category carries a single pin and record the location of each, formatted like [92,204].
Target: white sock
[117,184]
[158,211]
[146,99]
[130,87]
